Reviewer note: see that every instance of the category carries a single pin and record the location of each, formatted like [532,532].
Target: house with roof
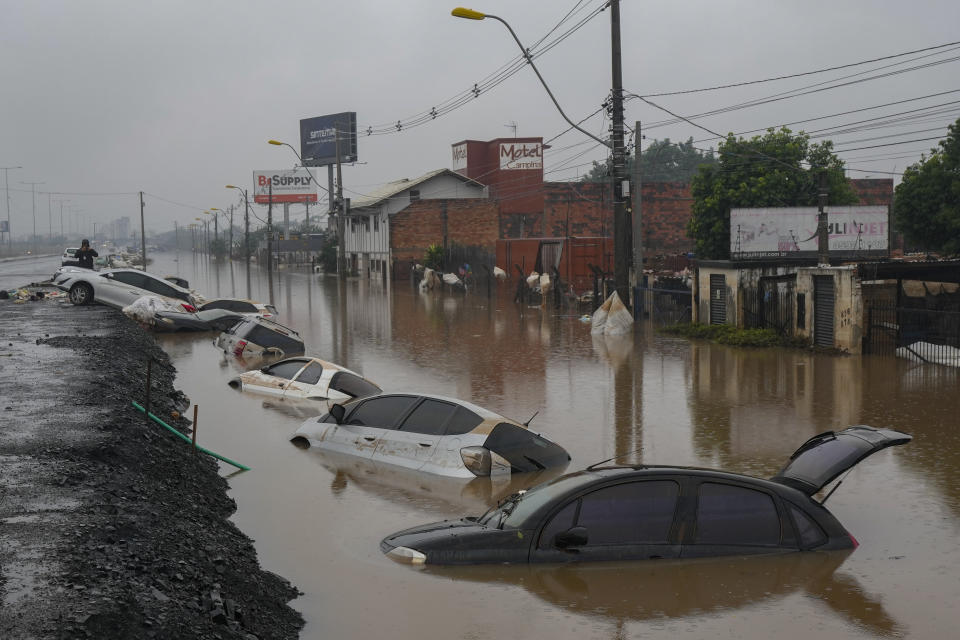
[367,233]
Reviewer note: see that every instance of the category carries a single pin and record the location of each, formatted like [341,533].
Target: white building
[367,229]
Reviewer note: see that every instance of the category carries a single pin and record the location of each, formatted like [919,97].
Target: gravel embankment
[109,526]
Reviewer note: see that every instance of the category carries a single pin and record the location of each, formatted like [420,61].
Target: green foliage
[218,248]
[927,201]
[328,253]
[765,171]
[433,257]
[662,161]
[730,335]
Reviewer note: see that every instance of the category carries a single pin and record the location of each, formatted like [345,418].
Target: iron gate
[823,310]
[718,298]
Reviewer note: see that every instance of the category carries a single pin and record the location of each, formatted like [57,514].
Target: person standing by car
[85,255]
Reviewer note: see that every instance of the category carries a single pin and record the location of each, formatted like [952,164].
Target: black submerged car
[646,512]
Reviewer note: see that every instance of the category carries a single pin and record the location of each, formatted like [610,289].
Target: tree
[927,201]
[662,161]
[765,171]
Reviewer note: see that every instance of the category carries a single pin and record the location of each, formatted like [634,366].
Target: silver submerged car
[120,287]
[432,434]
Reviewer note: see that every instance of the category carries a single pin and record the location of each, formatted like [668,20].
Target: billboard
[521,155]
[4,226]
[792,231]
[289,185]
[318,139]
[460,157]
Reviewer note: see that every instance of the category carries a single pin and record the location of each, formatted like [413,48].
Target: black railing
[663,306]
[922,335]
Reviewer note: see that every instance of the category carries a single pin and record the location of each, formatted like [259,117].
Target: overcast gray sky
[178,98]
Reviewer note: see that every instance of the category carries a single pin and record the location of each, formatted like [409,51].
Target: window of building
[414,195]
[376,223]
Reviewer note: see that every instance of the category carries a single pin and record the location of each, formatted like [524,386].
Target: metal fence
[663,306]
[770,306]
[923,335]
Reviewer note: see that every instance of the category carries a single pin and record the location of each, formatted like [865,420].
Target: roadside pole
[622,244]
[270,240]
[341,216]
[143,235]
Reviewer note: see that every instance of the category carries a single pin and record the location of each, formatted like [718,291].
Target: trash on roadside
[144,308]
[499,273]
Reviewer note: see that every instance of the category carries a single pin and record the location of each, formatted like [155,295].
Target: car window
[381,412]
[811,535]
[352,385]
[311,375]
[286,369]
[630,513]
[463,421]
[129,277]
[728,514]
[160,288]
[216,304]
[429,417]
[559,523]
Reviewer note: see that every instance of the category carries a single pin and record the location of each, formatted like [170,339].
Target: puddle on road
[318,520]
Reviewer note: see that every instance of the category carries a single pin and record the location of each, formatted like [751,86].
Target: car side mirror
[337,411]
[109,276]
[573,537]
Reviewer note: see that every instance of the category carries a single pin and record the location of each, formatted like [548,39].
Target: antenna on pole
[512,125]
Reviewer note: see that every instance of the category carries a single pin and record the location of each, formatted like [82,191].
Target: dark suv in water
[645,512]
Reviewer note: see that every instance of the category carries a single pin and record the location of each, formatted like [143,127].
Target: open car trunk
[825,456]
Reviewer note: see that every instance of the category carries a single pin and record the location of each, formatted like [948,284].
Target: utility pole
[270,240]
[341,216]
[637,279]
[6,184]
[246,237]
[823,233]
[143,235]
[230,251]
[176,235]
[33,189]
[622,242]
[49,220]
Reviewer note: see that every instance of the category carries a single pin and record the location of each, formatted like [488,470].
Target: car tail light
[853,540]
[477,460]
[189,308]
[406,555]
[238,350]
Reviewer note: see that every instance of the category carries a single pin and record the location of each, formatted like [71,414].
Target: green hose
[186,439]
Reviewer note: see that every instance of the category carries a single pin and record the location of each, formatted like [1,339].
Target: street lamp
[6,182]
[621,216]
[340,215]
[33,187]
[228,219]
[246,231]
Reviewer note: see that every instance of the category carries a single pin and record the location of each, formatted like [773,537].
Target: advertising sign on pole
[792,231]
[319,139]
[289,185]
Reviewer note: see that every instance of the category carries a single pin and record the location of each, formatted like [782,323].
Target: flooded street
[318,520]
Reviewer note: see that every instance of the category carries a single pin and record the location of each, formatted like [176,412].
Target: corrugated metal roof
[391,189]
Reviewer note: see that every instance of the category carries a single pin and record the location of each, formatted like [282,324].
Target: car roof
[484,413]
[626,471]
[269,324]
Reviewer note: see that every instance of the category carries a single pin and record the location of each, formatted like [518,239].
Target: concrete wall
[848,320]
[701,309]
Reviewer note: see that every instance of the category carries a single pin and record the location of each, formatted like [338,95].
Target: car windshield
[513,511]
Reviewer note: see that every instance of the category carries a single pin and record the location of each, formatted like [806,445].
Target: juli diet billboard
[792,231]
[322,137]
[286,185]
[521,155]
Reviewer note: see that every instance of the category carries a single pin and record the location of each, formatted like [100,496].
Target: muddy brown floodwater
[317,520]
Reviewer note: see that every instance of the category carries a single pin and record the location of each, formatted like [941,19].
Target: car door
[120,288]
[273,380]
[633,520]
[304,384]
[361,429]
[734,519]
[413,443]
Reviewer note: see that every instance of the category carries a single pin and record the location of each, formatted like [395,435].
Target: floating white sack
[143,308]
[619,318]
[544,283]
[451,279]
[499,273]
[600,317]
[533,279]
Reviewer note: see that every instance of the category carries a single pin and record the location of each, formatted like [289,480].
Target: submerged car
[209,320]
[119,287]
[619,513]
[240,305]
[305,379]
[432,434]
[255,336]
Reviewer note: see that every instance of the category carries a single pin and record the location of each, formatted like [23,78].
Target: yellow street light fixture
[470,14]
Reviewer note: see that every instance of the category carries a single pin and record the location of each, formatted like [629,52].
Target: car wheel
[81,293]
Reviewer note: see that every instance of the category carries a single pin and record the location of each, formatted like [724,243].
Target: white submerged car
[431,434]
[305,379]
[120,287]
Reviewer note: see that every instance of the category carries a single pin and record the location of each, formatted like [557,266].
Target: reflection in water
[429,493]
[650,590]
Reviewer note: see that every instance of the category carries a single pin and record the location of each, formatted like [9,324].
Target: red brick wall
[466,222]
[874,191]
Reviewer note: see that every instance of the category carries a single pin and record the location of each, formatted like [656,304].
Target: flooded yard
[318,519]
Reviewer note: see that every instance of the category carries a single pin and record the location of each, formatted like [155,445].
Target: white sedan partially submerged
[431,434]
[305,379]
